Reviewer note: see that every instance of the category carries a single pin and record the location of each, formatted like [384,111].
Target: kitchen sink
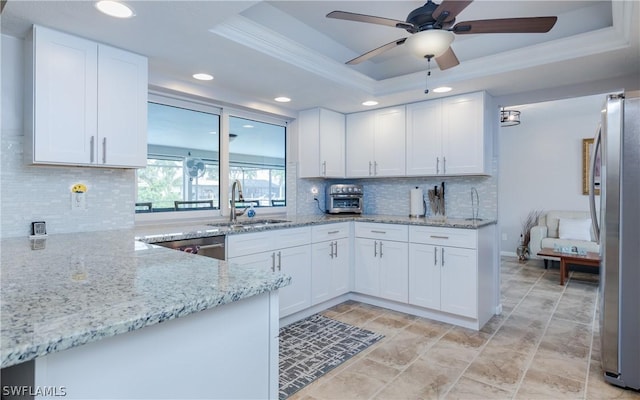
[251,223]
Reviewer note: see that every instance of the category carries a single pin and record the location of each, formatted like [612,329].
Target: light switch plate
[78,201]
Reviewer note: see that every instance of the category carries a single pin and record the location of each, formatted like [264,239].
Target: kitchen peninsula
[86,310]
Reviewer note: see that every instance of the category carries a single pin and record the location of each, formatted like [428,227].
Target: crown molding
[253,35]
[248,33]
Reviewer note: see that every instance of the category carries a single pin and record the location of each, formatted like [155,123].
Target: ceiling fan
[432,29]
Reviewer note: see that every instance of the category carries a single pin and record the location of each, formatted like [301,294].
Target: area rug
[314,346]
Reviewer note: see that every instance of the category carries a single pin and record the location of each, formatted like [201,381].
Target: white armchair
[563,229]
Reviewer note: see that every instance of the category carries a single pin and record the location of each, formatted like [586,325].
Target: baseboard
[508,253]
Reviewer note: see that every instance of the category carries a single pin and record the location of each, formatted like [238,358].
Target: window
[257,160]
[183,163]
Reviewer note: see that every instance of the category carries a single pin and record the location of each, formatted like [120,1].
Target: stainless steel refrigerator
[616,159]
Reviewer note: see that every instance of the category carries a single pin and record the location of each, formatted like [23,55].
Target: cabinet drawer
[248,243]
[323,233]
[453,237]
[397,233]
[283,238]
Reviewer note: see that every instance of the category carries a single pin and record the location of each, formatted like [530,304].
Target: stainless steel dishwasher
[210,246]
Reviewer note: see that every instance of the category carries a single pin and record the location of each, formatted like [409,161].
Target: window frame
[197,103]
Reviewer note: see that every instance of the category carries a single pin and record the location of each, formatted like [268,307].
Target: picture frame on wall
[587,150]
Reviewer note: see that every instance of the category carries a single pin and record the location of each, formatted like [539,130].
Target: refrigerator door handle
[592,186]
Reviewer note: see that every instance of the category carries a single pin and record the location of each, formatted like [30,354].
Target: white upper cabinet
[321,144]
[376,143]
[448,136]
[87,102]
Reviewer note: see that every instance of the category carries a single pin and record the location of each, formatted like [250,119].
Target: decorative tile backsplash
[390,196]
[42,193]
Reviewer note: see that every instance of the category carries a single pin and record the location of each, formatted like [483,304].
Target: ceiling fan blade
[376,51]
[447,60]
[453,7]
[349,16]
[506,25]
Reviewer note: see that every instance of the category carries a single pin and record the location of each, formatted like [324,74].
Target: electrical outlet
[78,201]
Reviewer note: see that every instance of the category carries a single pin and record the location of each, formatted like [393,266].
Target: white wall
[540,166]
[35,193]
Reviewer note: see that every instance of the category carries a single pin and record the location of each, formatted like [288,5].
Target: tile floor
[545,345]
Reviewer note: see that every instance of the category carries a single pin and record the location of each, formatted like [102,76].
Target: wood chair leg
[546,266]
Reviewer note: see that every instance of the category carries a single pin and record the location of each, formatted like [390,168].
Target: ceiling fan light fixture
[509,117]
[429,43]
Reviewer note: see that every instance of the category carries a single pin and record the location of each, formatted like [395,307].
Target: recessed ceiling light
[115,9]
[247,126]
[442,89]
[203,77]
[282,99]
[370,103]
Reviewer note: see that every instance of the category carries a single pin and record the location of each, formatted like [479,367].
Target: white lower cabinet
[443,277]
[288,251]
[381,263]
[329,270]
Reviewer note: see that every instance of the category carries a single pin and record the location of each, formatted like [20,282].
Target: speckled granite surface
[87,286]
[162,233]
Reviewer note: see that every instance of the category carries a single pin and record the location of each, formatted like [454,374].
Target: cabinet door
[389,142]
[122,105]
[295,262]
[321,271]
[340,267]
[424,276]
[459,281]
[360,153]
[394,270]
[463,137]
[332,144]
[64,99]
[308,140]
[367,267]
[424,137]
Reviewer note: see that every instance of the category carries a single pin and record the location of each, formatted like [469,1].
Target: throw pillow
[576,229]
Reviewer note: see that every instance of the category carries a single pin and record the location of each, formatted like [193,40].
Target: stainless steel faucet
[233,217]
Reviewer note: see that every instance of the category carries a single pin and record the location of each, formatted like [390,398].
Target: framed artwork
[587,150]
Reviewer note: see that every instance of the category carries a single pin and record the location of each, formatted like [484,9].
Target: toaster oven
[344,198]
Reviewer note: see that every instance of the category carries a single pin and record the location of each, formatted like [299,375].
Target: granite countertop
[84,287]
[168,232]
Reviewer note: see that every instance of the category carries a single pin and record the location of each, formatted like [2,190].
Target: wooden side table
[590,260]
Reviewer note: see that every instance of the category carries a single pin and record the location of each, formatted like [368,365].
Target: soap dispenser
[251,213]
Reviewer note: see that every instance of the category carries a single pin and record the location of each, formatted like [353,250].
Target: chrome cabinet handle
[324,168]
[336,247]
[375,248]
[437,165]
[444,165]
[375,168]
[332,232]
[435,256]
[442,255]
[279,261]
[331,252]
[104,150]
[92,143]
[439,237]
[211,246]
[383,232]
[369,168]
[273,262]
[381,249]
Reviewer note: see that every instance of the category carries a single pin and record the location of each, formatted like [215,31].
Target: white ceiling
[258,50]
